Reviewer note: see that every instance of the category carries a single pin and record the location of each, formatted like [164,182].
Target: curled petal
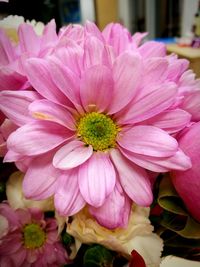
[68,199]
[96,186]
[72,155]
[115,211]
[133,179]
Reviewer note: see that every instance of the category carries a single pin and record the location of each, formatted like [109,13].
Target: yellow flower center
[34,236]
[97,130]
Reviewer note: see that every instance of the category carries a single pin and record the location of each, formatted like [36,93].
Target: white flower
[137,235]
[11,24]
[16,198]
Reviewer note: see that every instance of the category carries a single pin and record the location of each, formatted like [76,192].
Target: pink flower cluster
[27,239]
[95,113]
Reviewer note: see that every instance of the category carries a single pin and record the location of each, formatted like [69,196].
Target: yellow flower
[137,235]
[16,198]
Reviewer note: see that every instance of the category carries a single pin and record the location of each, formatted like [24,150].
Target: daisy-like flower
[98,119]
[29,239]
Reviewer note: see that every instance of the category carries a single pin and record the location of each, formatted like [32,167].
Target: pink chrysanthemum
[12,56]
[103,115]
[29,240]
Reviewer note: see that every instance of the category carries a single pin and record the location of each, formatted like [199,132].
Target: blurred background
[161,18]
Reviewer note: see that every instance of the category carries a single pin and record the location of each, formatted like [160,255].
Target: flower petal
[37,71]
[96,88]
[191,104]
[95,186]
[178,161]
[127,75]
[14,104]
[47,110]
[65,79]
[133,179]
[153,49]
[93,52]
[157,100]
[72,155]
[115,210]
[187,183]
[7,54]
[29,41]
[148,140]
[37,138]
[68,199]
[171,121]
[155,70]
[40,180]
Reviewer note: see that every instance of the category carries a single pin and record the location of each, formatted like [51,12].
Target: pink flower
[187,183]
[102,116]
[30,239]
[13,57]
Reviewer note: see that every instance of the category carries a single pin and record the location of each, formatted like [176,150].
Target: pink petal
[178,161]
[96,88]
[71,55]
[191,104]
[13,156]
[127,75]
[91,29]
[171,121]
[11,244]
[72,155]
[47,110]
[11,216]
[187,183]
[7,54]
[138,37]
[14,104]
[155,70]
[115,210]
[11,80]
[49,35]
[37,138]
[152,49]
[19,257]
[176,67]
[96,179]
[65,79]
[133,179]
[37,71]
[68,199]
[151,104]
[148,140]
[40,180]
[7,127]
[95,53]
[29,41]
[118,37]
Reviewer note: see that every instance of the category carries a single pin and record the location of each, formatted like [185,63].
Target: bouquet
[100,149]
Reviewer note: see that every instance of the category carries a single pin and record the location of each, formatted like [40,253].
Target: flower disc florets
[97,130]
[34,236]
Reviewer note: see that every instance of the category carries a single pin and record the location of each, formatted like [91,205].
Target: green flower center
[97,130]
[34,236]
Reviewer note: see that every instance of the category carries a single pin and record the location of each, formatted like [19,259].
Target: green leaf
[98,256]
[67,239]
[175,217]
[168,198]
